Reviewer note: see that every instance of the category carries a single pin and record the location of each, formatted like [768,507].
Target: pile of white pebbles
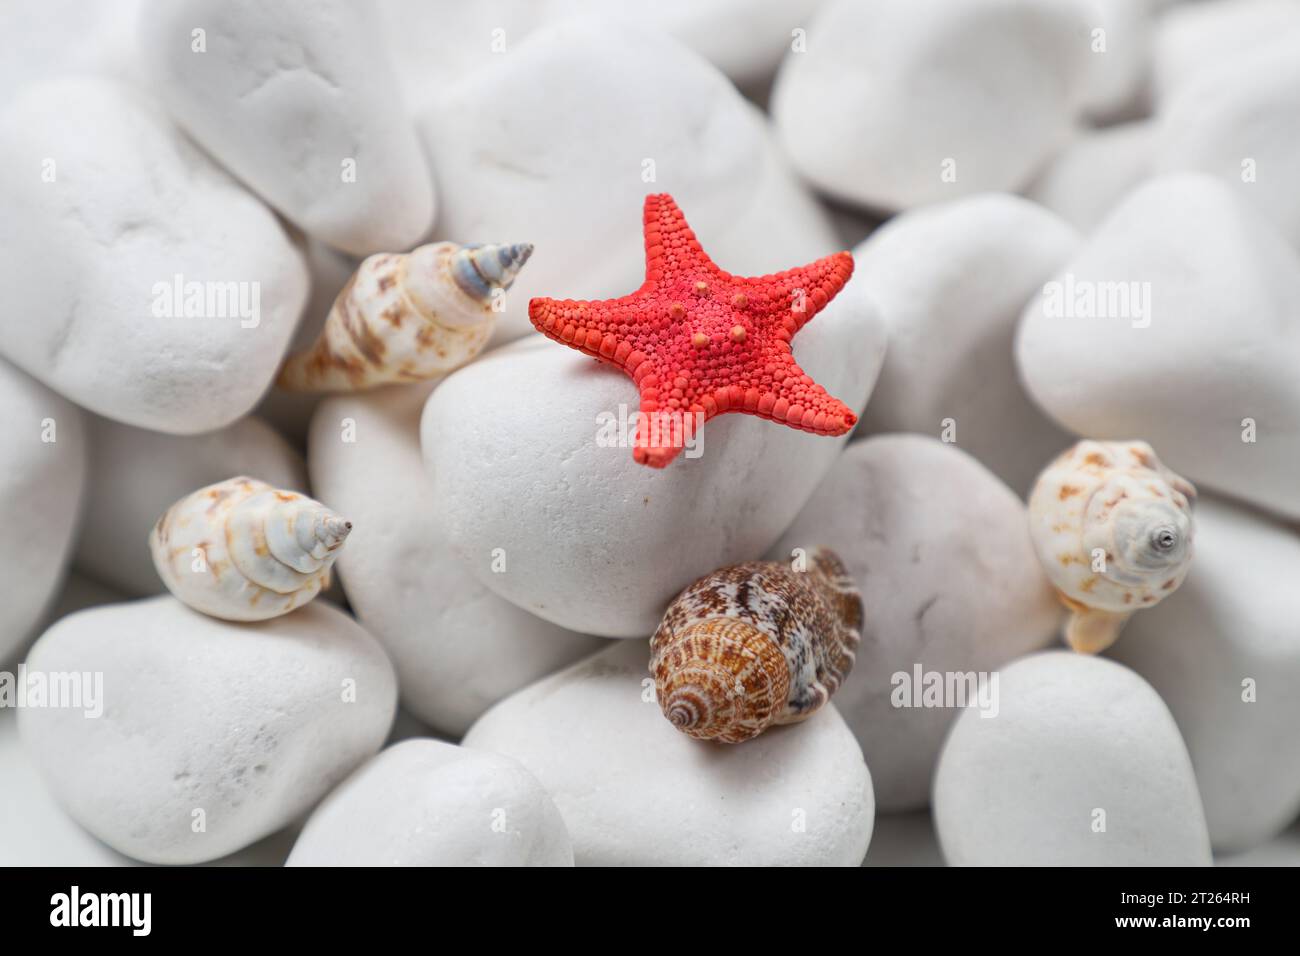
[1068,217]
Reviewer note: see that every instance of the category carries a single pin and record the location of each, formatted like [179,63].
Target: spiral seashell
[1113,529]
[245,551]
[754,645]
[407,317]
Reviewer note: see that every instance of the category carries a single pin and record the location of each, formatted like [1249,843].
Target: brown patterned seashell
[753,645]
[408,317]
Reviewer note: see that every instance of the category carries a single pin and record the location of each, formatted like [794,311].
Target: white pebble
[1193,40]
[39,833]
[634,791]
[42,480]
[898,104]
[50,38]
[108,210]
[1082,766]
[428,803]
[1241,123]
[212,735]
[438,42]
[299,102]
[1130,339]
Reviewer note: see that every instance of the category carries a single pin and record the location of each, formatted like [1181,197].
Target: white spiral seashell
[243,550]
[408,317]
[1113,529]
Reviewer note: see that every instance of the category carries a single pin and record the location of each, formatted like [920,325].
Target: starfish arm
[805,291]
[801,403]
[663,433]
[671,249]
[578,324]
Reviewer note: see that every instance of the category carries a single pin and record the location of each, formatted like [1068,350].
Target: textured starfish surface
[700,342]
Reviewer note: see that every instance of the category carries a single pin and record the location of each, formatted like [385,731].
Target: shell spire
[243,550]
[1113,530]
[408,317]
[481,270]
[754,645]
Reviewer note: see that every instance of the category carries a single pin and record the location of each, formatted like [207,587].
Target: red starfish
[700,342]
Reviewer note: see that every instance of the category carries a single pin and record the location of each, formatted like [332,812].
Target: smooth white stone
[592,540]
[1193,40]
[1094,171]
[249,723]
[299,102]
[50,38]
[1179,374]
[1241,123]
[428,803]
[1075,737]
[139,474]
[745,39]
[41,489]
[519,141]
[37,832]
[90,261]
[941,552]
[1235,619]
[458,647]
[951,280]
[898,104]
[634,791]
[438,42]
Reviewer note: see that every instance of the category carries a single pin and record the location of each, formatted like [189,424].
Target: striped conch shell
[1113,530]
[408,317]
[754,645]
[245,551]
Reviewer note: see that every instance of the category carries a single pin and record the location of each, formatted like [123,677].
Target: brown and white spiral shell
[408,317]
[1113,530]
[754,645]
[243,550]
